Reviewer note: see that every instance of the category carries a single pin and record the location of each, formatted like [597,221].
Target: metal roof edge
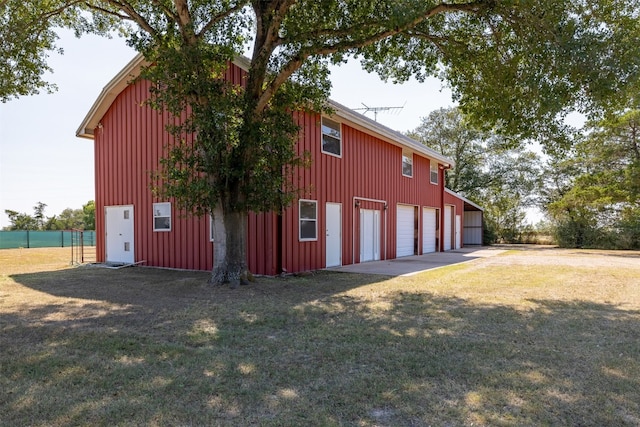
[116,85]
[132,70]
[387,132]
[108,95]
[464,199]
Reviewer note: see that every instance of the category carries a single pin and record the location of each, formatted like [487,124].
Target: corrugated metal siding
[450,199]
[131,142]
[472,228]
[369,168]
[127,148]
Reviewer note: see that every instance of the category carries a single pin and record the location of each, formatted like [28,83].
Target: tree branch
[469,7]
[59,10]
[268,38]
[184,21]
[296,62]
[110,12]
[219,17]
[168,12]
[130,11]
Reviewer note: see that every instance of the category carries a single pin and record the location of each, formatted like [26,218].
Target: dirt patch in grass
[576,258]
[528,338]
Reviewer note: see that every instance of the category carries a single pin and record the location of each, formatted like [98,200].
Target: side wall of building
[367,177]
[458,211]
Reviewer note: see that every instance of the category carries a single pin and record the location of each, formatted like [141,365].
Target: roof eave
[132,70]
[464,199]
[387,133]
[108,95]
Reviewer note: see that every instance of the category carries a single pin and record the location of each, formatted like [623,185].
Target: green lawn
[510,341]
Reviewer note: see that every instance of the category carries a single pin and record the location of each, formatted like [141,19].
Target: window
[407,163]
[331,137]
[434,172]
[308,212]
[162,216]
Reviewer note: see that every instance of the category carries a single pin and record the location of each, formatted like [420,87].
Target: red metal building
[373,192]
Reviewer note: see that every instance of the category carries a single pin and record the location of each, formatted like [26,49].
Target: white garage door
[447,228]
[428,230]
[405,231]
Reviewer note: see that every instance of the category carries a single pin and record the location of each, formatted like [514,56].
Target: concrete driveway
[408,266]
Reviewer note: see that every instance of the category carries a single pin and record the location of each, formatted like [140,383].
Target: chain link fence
[42,239]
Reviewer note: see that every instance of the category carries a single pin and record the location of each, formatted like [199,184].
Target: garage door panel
[448,223]
[428,230]
[405,231]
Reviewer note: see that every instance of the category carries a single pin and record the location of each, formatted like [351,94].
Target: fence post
[28,239]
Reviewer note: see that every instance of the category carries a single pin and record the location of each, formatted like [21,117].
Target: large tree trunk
[229,247]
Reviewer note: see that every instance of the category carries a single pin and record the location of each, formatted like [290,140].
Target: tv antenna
[376,110]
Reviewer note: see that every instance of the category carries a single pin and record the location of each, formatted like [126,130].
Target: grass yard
[538,337]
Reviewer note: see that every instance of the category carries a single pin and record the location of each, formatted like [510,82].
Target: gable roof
[132,70]
[109,94]
[467,203]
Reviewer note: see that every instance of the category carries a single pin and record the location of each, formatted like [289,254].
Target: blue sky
[41,160]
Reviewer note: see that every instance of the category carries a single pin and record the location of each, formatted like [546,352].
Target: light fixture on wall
[357,203]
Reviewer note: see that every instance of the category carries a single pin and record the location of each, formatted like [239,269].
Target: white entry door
[119,234]
[334,234]
[369,235]
[448,211]
[428,230]
[405,231]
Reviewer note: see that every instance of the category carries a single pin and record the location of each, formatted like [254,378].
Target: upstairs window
[407,164]
[434,172]
[331,137]
[162,216]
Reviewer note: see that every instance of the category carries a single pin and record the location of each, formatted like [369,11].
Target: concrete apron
[408,266]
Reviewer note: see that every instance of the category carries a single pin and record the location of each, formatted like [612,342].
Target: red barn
[373,192]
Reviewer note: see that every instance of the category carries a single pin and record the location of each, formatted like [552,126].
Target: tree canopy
[489,170]
[593,190]
[517,66]
[68,219]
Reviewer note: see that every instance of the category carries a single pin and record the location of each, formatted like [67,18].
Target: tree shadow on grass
[144,347]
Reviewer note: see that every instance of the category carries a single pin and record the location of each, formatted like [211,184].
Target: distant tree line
[499,175]
[588,184]
[82,219]
[591,190]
